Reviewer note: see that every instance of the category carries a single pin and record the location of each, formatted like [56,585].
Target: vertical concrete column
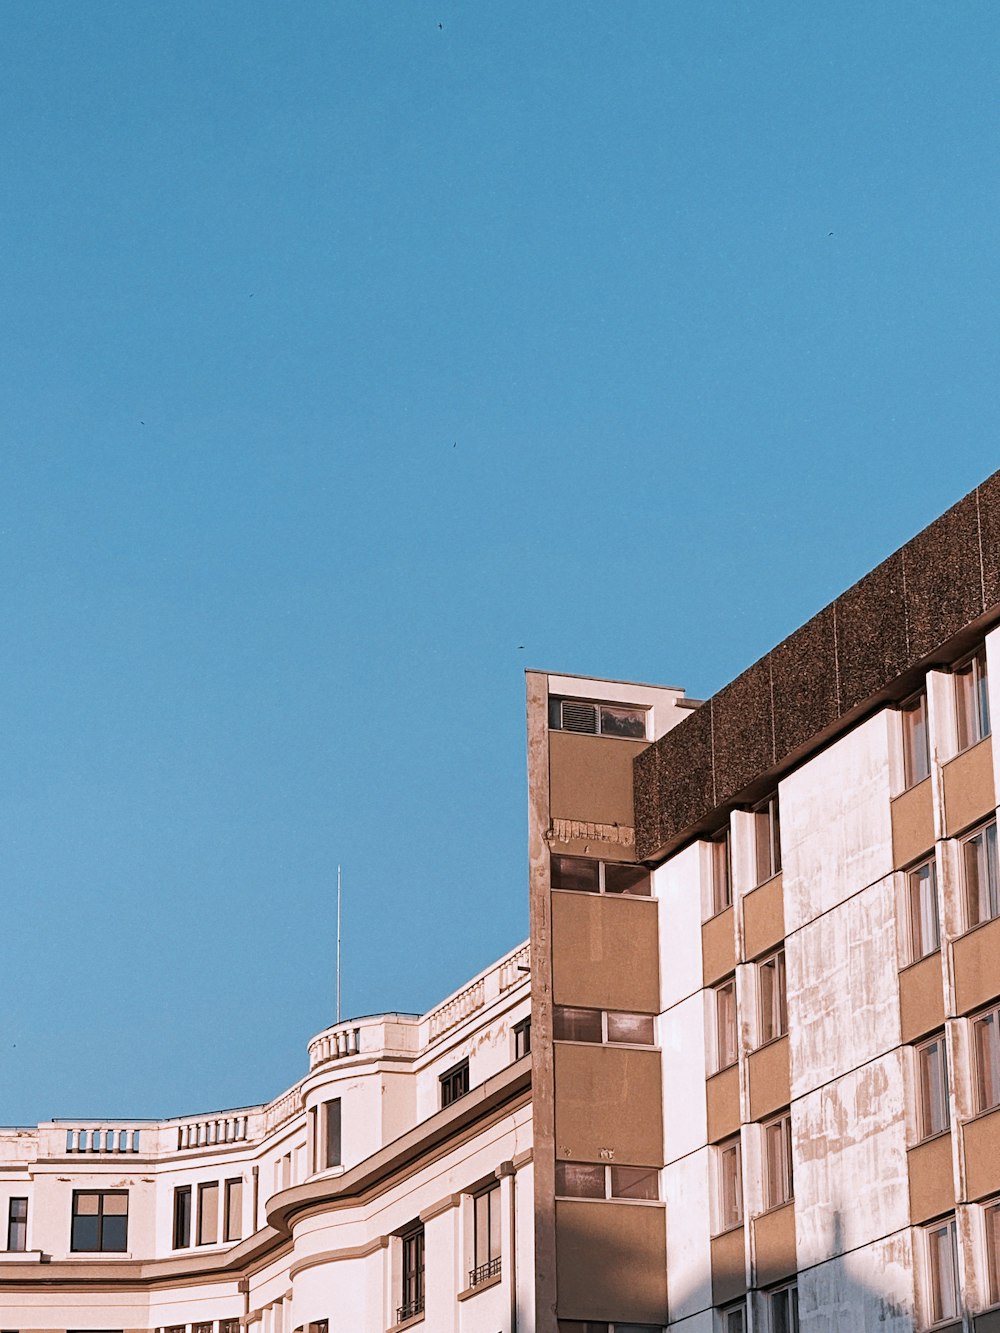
[508,1248]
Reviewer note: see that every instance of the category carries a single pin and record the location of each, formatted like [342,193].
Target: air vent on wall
[579,717]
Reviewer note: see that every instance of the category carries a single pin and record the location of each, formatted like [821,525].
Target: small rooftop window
[597,719]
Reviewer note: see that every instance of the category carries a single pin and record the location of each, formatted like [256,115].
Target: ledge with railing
[483,1273]
[410,1310]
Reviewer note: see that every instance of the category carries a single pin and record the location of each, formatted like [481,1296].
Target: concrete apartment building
[763,1089]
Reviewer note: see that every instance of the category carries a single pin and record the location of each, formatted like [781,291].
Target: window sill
[930,1138]
[980,925]
[775,1208]
[762,884]
[771,1041]
[723,1069]
[407,1323]
[971,1119]
[594,1198]
[728,1231]
[21,1257]
[721,912]
[599,893]
[480,1286]
[628,1045]
[905,791]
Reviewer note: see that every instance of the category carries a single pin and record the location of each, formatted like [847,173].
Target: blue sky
[348,347]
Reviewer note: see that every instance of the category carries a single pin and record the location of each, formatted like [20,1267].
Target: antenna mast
[338,943]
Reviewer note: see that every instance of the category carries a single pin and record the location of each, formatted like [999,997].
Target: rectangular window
[729,1161]
[233,1220]
[571,1024]
[331,1132]
[413,1275]
[455,1083]
[982,884]
[725,1025]
[783,1310]
[991,1219]
[916,740]
[100,1221]
[734,1319]
[972,703]
[579,874]
[633,1182]
[932,1088]
[17,1224]
[597,719]
[722,877]
[485,1236]
[631,1029]
[182,1217]
[580,1180]
[589,1180]
[208,1213]
[778,1182]
[942,1271]
[207,1327]
[229,1326]
[922,911]
[772,1001]
[522,1038]
[767,839]
[986,1048]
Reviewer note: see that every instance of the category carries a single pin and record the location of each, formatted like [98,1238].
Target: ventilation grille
[579,717]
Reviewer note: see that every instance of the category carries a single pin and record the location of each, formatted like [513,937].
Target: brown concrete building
[766,972]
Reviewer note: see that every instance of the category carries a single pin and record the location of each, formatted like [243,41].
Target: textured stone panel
[646,798]
[871,633]
[988,496]
[943,578]
[804,683]
[743,741]
[685,773]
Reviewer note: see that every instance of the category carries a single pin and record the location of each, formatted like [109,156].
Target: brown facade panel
[912,823]
[722,1095]
[804,671]
[590,777]
[944,589]
[729,1272]
[981,1143]
[608,1105]
[921,998]
[743,734]
[774,1245]
[605,952]
[871,633]
[718,947]
[770,1082]
[611,1261]
[763,918]
[976,967]
[932,1180]
[969,793]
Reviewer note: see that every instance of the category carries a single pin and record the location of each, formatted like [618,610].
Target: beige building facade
[745,1076]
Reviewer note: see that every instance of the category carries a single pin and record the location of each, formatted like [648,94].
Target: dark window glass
[522,1039]
[916,741]
[932,1081]
[233,1225]
[925,930]
[182,1217]
[576,872]
[331,1122]
[486,1236]
[100,1221]
[455,1083]
[972,704]
[627,722]
[771,997]
[633,880]
[986,1044]
[570,1024]
[767,836]
[17,1224]
[634,1182]
[982,882]
[722,884]
[580,1180]
[413,1275]
[992,1221]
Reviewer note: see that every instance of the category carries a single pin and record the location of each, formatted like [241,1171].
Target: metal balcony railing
[484,1272]
[410,1310]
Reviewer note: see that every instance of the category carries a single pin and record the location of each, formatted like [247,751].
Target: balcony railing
[410,1310]
[484,1272]
[211,1131]
[103,1140]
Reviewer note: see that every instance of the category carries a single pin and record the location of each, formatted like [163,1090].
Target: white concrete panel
[867,1291]
[836,833]
[851,1184]
[682,1042]
[678,885]
[689,1257]
[702,1322]
[843,988]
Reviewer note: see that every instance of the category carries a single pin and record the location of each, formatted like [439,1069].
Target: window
[596,719]
[986,1057]
[485,1236]
[734,1318]
[722,877]
[972,703]
[230,1326]
[331,1131]
[991,1220]
[982,885]
[208,1327]
[413,1274]
[783,1310]
[590,1180]
[455,1083]
[916,740]
[594,1326]
[778,1185]
[581,875]
[772,1005]
[522,1038]
[17,1224]
[923,923]
[208,1213]
[942,1271]
[767,839]
[725,1025]
[182,1217]
[597,1025]
[233,1220]
[100,1221]
[932,1088]
[730,1171]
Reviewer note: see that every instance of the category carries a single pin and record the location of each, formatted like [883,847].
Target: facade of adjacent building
[763,1013]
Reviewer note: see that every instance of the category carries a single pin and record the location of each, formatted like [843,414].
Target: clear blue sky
[347,347]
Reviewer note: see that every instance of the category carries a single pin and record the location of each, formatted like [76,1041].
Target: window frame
[737,1309]
[972,700]
[232,1210]
[412,1272]
[720,1026]
[608,1186]
[521,1033]
[101,1248]
[181,1229]
[641,871]
[991,866]
[605,1017]
[934,1294]
[779,1173]
[600,706]
[779,997]
[720,872]
[332,1121]
[976,1021]
[454,1083]
[486,1257]
[916,753]
[926,1125]
[921,894]
[991,1239]
[729,1151]
[207,1190]
[17,1227]
[772,1294]
[766,850]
